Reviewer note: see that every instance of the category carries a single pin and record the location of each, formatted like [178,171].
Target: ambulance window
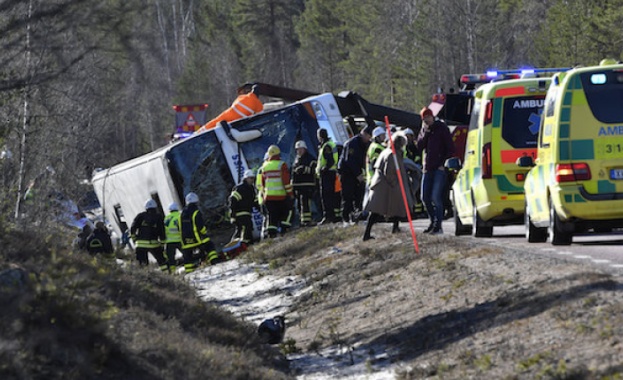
[550,101]
[604,94]
[521,120]
[473,121]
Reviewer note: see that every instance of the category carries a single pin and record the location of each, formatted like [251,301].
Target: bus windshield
[281,127]
[199,165]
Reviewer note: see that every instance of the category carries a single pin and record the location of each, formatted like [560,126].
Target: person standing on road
[326,171]
[277,194]
[195,235]
[435,141]
[304,181]
[242,200]
[351,168]
[172,230]
[147,231]
[385,198]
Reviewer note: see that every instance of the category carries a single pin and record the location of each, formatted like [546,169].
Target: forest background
[89,83]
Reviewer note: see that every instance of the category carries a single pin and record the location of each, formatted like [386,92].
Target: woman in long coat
[385,198]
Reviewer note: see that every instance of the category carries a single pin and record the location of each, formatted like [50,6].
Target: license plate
[616,173]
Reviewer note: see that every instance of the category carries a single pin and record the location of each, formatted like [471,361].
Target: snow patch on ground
[249,292]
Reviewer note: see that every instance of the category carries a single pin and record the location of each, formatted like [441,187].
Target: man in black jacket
[195,235]
[352,170]
[147,231]
[242,200]
[99,241]
[304,181]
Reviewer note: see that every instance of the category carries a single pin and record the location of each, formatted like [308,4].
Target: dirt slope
[457,310]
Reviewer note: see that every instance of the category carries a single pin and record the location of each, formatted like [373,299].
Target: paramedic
[172,230]
[277,194]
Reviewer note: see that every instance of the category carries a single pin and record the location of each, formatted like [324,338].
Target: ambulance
[576,184]
[504,125]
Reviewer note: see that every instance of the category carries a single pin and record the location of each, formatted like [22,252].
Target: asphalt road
[595,249]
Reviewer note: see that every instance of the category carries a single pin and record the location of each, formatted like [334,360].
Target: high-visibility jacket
[276,184]
[244,105]
[194,231]
[327,159]
[374,150]
[172,227]
[147,229]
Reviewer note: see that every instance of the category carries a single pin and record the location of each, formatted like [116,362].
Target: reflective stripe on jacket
[275,180]
[194,231]
[323,162]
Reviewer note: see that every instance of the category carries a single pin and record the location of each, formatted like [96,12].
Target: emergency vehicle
[504,124]
[211,163]
[577,181]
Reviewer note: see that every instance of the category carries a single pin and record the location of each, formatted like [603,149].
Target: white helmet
[192,198]
[409,131]
[150,204]
[300,144]
[378,131]
[174,207]
[248,174]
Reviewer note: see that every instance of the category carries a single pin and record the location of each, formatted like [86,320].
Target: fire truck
[211,163]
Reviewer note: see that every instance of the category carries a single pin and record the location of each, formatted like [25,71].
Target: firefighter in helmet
[195,235]
[173,241]
[147,231]
[276,192]
[304,181]
[242,200]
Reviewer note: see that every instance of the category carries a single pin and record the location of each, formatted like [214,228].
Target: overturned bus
[211,163]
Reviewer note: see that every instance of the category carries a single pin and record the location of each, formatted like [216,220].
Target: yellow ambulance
[504,125]
[577,182]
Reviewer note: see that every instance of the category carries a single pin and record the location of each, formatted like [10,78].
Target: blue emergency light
[497,75]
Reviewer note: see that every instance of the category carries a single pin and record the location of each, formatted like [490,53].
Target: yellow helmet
[273,150]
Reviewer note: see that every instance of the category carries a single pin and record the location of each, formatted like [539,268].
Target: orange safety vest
[244,106]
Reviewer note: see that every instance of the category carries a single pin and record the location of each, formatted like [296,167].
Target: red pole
[402,188]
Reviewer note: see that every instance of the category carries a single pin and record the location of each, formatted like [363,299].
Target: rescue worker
[246,104]
[195,235]
[326,171]
[352,170]
[436,140]
[242,200]
[99,241]
[173,233]
[304,181]
[147,231]
[276,192]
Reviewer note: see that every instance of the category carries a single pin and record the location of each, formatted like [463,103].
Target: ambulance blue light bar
[497,75]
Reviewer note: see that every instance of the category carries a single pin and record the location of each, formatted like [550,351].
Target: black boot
[395,228]
[371,220]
